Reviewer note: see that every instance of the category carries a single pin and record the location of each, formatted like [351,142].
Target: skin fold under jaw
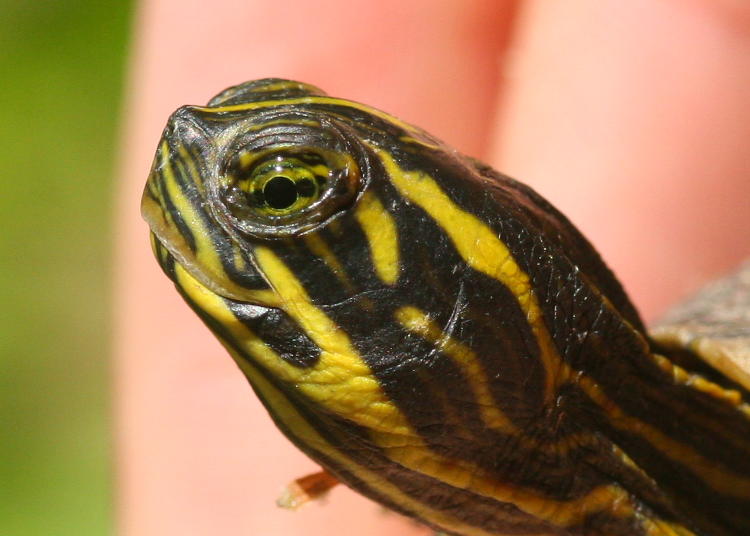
[434,334]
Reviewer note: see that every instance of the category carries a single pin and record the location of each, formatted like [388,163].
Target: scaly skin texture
[432,332]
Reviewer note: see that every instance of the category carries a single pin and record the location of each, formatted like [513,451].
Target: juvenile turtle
[437,336]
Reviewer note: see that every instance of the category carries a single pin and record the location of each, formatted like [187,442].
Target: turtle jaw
[170,246]
[182,270]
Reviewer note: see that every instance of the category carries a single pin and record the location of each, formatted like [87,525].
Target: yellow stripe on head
[382,237]
[340,381]
[482,250]
[420,322]
[415,132]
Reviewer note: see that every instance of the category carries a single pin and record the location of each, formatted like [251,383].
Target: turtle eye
[283,185]
[284,178]
[277,186]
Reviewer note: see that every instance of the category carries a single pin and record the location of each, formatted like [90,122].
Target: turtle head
[293,224]
[433,332]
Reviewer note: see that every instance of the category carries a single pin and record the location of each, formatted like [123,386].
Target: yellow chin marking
[382,236]
[664,528]
[481,249]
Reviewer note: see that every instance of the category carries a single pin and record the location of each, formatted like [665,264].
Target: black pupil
[280,192]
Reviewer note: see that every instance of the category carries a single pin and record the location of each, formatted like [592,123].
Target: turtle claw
[305,489]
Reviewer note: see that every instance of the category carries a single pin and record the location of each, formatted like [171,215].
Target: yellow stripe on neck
[303,432]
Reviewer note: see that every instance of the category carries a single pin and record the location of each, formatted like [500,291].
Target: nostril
[185,125]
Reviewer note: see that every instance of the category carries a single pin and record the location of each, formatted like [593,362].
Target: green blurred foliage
[61,64]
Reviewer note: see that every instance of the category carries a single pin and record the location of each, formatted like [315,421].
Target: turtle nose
[176,178]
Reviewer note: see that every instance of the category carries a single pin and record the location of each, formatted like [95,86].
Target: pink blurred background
[633,118]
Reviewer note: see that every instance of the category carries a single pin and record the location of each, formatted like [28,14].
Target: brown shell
[714,325]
